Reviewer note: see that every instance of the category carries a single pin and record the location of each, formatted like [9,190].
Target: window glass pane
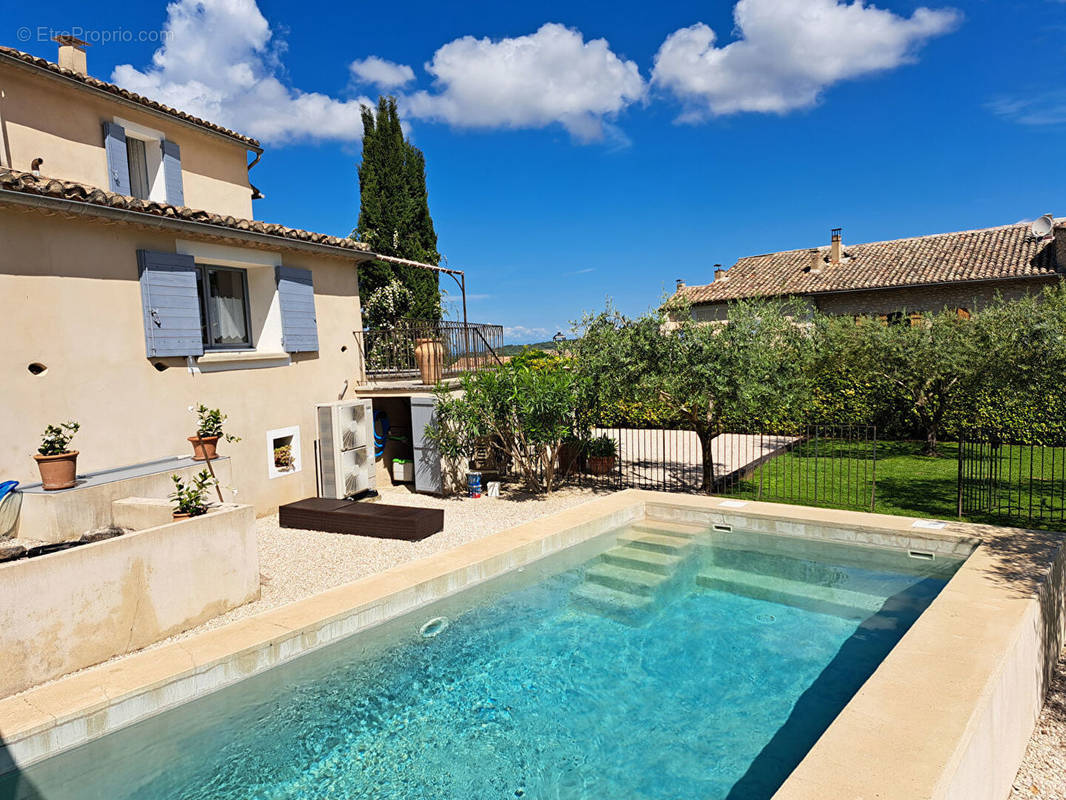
[138,161]
[225,296]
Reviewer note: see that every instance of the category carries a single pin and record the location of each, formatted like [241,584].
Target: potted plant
[190,499]
[208,432]
[57,463]
[600,455]
[284,460]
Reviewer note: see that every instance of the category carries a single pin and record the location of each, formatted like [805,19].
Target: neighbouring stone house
[135,282]
[893,280]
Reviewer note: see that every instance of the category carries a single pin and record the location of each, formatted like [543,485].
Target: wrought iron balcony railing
[428,350]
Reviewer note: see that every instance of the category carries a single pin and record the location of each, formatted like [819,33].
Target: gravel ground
[1042,775]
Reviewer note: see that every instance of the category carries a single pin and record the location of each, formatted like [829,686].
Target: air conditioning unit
[345,452]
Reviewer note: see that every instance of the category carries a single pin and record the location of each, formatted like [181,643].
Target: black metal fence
[1004,480]
[822,465]
[429,350]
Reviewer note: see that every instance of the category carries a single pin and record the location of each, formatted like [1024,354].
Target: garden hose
[380,438]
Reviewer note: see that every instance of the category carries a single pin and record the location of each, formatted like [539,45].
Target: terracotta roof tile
[990,254]
[27,183]
[111,88]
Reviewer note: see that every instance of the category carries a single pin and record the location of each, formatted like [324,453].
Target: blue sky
[563,169]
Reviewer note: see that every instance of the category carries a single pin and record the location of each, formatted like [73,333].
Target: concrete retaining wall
[79,607]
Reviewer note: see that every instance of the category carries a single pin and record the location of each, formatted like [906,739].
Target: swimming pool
[660,660]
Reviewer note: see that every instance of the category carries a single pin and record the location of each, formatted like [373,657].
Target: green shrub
[191,498]
[210,422]
[601,447]
[56,438]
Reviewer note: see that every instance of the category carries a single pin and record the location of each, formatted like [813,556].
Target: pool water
[709,676]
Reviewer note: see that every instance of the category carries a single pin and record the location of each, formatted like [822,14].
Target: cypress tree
[394,217]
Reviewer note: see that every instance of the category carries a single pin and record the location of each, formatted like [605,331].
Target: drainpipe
[256,194]
[5,149]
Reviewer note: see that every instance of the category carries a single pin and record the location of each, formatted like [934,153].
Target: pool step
[627,582]
[659,542]
[621,606]
[625,579]
[675,528]
[811,597]
[640,558]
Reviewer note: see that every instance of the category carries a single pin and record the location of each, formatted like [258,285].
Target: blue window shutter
[172,173]
[296,296]
[171,302]
[118,165]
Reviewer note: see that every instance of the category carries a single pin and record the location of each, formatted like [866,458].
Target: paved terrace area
[674,458]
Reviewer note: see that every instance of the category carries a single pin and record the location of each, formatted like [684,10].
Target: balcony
[423,352]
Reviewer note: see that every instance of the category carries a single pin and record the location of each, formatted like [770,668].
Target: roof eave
[188,227]
[893,287]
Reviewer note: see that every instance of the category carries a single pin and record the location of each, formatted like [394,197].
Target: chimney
[1060,246]
[719,273]
[816,260]
[836,246]
[72,53]
[680,284]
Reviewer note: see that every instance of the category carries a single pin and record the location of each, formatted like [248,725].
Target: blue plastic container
[473,484]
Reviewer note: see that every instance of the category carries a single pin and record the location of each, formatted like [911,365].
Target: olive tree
[1020,359]
[931,359]
[745,374]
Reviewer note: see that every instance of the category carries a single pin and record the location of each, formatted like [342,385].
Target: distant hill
[516,349]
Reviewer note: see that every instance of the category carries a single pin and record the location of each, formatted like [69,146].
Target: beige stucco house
[135,282]
[893,279]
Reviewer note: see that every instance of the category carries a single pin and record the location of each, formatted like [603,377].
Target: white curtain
[230,314]
[227,294]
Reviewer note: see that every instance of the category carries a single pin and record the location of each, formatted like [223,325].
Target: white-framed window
[225,308]
[137,158]
[144,155]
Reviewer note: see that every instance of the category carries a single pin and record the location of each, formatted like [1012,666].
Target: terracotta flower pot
[202,453]
[429,355]
[57,472]
[182,515]
[599,465]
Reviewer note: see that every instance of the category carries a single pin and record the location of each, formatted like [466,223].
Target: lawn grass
[837,474]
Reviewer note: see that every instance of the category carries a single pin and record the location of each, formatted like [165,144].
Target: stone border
[946,715]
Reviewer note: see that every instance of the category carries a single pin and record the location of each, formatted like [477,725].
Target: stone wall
[970,296]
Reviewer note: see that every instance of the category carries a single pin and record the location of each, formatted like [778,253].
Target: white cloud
[1043,108]
[532,81]
[218,62]
[521,334]
[787,52]
[382,73]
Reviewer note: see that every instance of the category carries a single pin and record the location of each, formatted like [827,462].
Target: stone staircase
[629,580]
